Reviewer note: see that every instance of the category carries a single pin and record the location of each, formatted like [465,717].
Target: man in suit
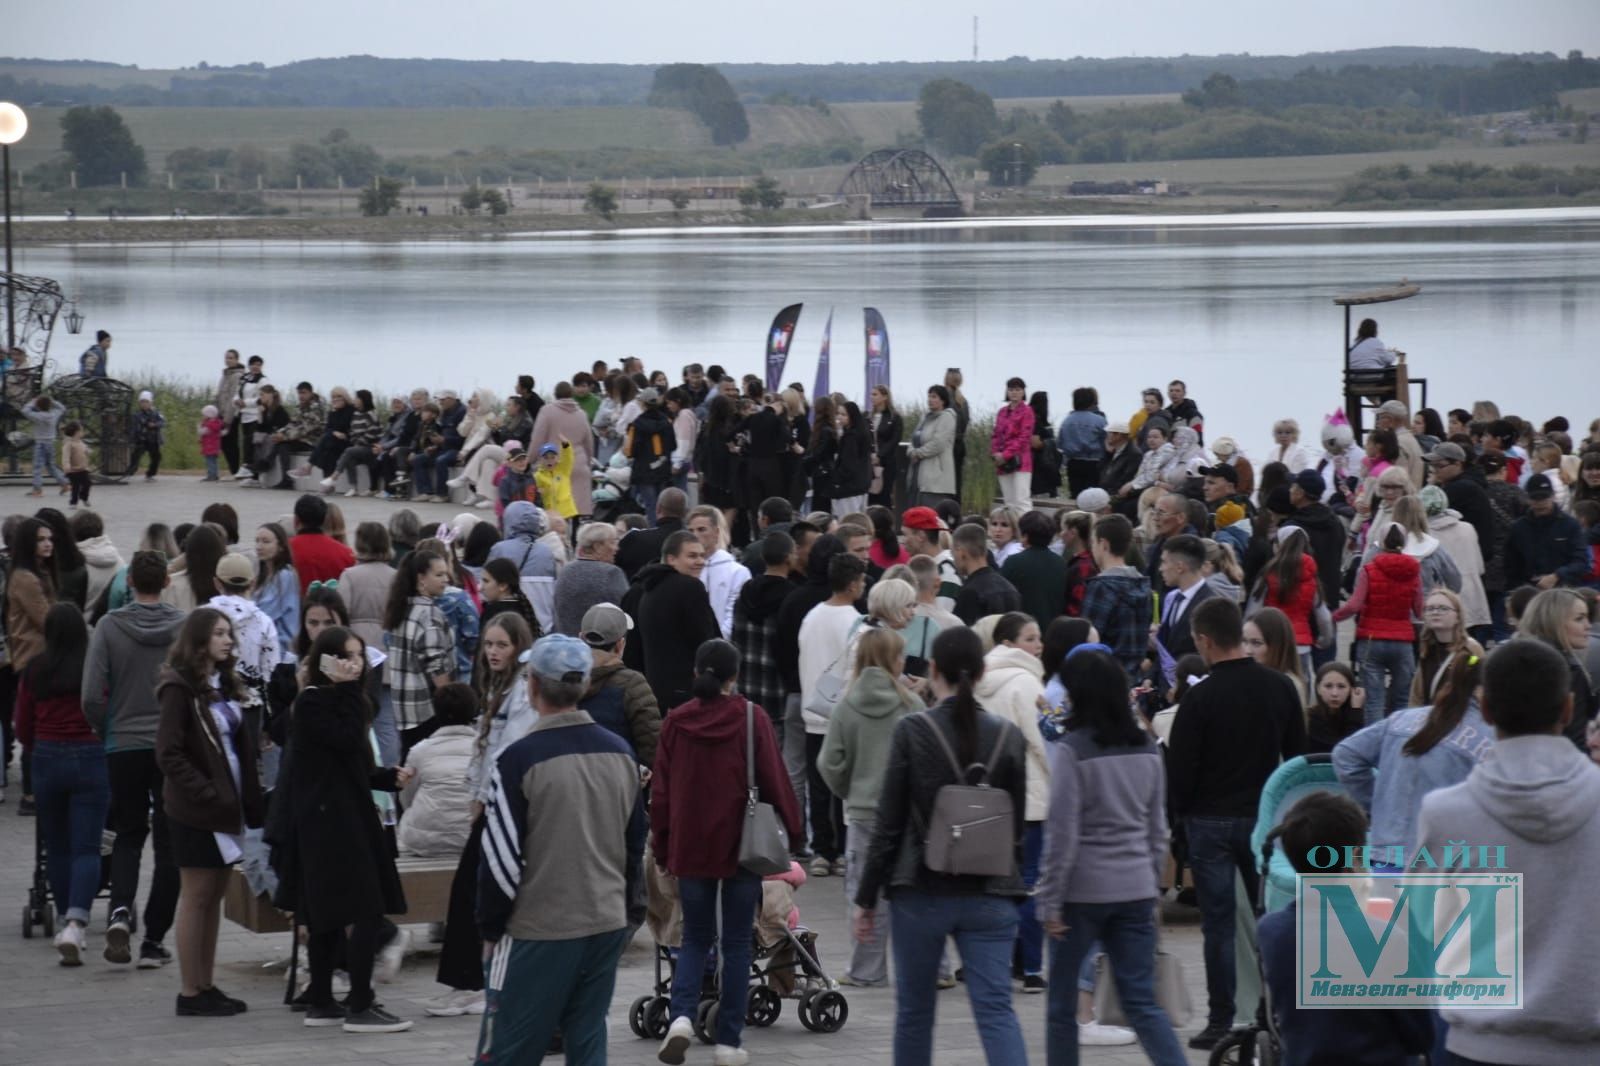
[642,547]
[1181,560]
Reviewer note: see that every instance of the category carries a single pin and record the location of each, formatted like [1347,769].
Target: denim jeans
[793,737]
[645,496]
[985,930]
[1499,627]
[44,462]
[1128,932]
[1030,934]
[213,468]
[740,895]
[385,729]
[1218,847]
[71,789]
[869,963]
[430,472]
[1386,669]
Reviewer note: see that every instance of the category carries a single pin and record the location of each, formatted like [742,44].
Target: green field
[440,131]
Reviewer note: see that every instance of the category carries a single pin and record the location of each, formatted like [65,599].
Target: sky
[178,33]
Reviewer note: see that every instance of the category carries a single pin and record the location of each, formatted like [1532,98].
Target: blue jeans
[1218,847]
[212,470]
[73,795]
[1128,933]
[1500,628]
[44,462]
[1386,669]
[645,496]
[430,472]
[385,729]
[740,896]
[1030,934]
[985,929]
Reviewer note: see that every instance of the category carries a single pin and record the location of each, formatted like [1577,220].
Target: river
[1238,306]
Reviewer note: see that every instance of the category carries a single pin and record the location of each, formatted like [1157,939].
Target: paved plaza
[100,1013]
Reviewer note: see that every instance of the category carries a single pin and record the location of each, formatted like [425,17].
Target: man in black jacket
[983,590]
[1324,530]
[642,547]
[1229,735]
[673,616]
[1546,547]
[1122,460]
[1448,464]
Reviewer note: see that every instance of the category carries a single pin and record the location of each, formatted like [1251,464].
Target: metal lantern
[74,317]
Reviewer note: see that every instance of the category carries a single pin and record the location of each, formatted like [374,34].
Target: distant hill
[369,81]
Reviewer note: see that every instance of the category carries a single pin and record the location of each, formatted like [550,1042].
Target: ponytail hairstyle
[715,664]
[958,660]
[1010,626]
[1394,538]
[404,586]
[1449,703]
[883,530]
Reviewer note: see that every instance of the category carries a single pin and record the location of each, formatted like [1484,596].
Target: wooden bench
[426,883]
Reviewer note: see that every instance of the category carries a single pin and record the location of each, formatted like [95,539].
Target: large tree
[956,116]
[703,90]
[101,146]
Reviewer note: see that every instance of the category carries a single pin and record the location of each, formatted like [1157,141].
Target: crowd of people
[579,707]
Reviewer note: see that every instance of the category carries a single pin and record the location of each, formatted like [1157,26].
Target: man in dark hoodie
[642,547]
[1117,599]
[775,514]
[126,652]
[755,625]
[650,443]
[1325,530]
[673,616]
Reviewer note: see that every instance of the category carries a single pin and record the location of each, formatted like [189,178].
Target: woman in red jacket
[1387,597]
[697,800]
[1289,583]
[1012,446]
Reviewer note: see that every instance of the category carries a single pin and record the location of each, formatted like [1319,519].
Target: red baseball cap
[925,518]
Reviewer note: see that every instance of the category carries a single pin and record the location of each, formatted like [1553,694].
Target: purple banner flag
[821,386]
[778,338]
[877,354]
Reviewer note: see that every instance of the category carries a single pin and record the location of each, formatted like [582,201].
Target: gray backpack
[970,829]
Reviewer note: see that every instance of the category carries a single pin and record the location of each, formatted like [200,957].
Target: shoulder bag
[1172,994]
[763,843]
[830,687]
[971,829]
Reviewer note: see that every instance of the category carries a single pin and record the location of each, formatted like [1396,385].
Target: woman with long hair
[717,457]
[360,443]
[71,787]
[1047,458]
[1444,638]
[277,588]
[72,569]
[1389,766]
[211,794]
[1587,486]
[796,415]
[934,462]
[421,645]
[822,454]
[333,824]
[1428,428]
[929,906]
[855,753]
[1560,618]
[1010,445]
[852,474]
[1270,639]
[195,584]
[887,430]
[698,795]
[507,717]
[1222,570]
[1335,709]
[1387,596]
[458,603]
[1289,583]
[886,550]
[1103,846]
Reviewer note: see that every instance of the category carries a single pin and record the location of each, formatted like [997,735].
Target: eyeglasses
[1438,608]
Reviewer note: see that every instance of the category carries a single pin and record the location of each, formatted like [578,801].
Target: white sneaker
[348,493]
[70,943]
[723,1055]
[387,966]
[456,482]
[301,471]
[483,503]
[454,1004]
[676,1043]
[244,474]
[326,483]
[1096,1035]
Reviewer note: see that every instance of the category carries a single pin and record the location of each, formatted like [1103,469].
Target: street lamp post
[13,125]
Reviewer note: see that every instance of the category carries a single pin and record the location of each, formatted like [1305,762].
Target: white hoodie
[103,560]
[723,577]
[1011,687]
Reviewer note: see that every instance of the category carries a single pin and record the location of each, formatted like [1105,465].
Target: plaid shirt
[422,648]
[760,677]
[1118,604]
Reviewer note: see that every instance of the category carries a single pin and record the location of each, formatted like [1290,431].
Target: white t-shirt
[824,634]
[1370,354]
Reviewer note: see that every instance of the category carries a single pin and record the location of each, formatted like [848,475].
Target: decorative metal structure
[105,406]
[909,177]
[37,302]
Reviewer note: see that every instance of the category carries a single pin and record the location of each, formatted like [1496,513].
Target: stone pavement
[101,1013]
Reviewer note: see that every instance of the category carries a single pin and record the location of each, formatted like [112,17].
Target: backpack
[969,830]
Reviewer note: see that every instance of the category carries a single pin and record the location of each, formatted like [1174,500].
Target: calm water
[1238,307]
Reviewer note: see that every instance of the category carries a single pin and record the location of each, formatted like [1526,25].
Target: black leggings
[361,946]
[461,959]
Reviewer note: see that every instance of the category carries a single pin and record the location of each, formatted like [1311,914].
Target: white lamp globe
[13,123]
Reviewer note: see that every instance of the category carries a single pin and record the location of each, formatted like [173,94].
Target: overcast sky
[174,33]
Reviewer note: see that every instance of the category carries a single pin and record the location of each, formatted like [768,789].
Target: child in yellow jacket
[554,478]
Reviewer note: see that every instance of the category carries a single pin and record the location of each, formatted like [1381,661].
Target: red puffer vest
[1300,606]
[1392,583]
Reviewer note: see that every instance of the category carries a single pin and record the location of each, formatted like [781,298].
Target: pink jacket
[1013,435]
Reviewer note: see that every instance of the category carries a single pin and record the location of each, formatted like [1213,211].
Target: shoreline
[1091,212]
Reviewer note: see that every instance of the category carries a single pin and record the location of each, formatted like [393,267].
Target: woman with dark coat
[887,430]
[332,825]
[798,443]
[763,455]
[822,454]
[852,474]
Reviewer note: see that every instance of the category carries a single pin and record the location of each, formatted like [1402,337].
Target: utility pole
[974,38]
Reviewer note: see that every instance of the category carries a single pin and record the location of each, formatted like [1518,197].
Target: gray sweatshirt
[126,652]
[1540,798]
[1105,837]
[44,422]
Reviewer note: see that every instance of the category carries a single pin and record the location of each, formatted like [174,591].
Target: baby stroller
[611,497]
[1258,1044]
[783,965]
[39,911]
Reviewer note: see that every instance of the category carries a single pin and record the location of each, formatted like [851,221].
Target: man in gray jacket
[592,578]
[126,653]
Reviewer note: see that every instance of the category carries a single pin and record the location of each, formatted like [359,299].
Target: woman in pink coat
[563,418]
[1012,446]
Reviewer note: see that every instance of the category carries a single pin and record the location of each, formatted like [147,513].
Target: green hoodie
[855,751]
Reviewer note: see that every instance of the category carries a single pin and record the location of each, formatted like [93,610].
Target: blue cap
[559,657]
[1086,648]
[549,449]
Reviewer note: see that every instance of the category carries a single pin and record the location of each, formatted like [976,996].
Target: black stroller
[39,911]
